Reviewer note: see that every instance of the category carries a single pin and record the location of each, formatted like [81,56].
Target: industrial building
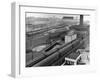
[59,42]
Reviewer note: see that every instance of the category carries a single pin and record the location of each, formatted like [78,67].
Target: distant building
[68,17]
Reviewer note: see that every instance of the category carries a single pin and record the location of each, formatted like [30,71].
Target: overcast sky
[45,15]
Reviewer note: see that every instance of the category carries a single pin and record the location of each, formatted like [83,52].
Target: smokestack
[81,19]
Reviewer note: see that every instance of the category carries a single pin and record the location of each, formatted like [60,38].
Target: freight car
[55,56]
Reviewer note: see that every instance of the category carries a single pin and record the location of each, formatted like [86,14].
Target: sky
[46,15]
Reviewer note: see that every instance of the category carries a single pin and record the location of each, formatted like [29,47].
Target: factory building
[60,42]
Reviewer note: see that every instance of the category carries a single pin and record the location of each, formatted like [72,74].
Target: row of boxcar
[56,56]
[51,56]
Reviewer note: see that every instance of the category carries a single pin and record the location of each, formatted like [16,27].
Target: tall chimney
[81,19]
